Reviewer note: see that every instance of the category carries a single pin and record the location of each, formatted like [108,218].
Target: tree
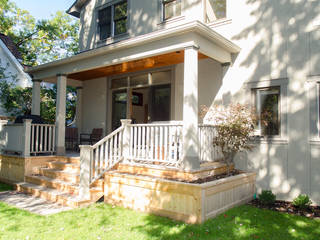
[39,41]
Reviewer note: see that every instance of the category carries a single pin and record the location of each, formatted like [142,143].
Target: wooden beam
[133,66]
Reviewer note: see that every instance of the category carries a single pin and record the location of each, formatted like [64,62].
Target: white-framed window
[170,9]
[112,20]
[215,10]
[268,110]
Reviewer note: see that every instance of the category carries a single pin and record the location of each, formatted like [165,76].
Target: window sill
[270,139]
[220,22]
[171,20]
[111,40]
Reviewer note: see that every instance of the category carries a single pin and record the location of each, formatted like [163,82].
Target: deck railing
[28,139]
[156,144]
[208,152]
[42,138]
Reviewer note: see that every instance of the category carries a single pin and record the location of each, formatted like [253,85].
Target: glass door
[119,107]
[160,103]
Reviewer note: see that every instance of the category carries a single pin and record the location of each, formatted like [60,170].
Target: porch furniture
[72,138]
[92,138]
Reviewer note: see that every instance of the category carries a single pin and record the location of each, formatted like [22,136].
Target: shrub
[267,197]
[234,128]
[302,201]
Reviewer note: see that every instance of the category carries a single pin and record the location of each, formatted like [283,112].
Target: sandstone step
[74,160]
[51,195]
[73,167]
[63,186]
[60,174]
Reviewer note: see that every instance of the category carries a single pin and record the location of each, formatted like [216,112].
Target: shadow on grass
[244,222]
[5,187]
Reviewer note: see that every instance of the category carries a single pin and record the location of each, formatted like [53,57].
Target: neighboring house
[11,61]
[160,60]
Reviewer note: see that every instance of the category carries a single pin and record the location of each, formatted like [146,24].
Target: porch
[158,80]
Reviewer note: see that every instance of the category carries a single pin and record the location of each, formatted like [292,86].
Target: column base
[61,151]
[190,163]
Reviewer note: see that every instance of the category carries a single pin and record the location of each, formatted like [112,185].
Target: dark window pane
[269,111]
[171,8]
[105,23]
[120,26]
[120,10]
[215,9]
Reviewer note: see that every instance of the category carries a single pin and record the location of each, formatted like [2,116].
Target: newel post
[126,138]
[86,154]
[26,137]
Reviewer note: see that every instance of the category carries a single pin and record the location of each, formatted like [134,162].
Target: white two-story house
[156,61]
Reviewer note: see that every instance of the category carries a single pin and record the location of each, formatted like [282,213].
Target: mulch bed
[287,207]
[215,177]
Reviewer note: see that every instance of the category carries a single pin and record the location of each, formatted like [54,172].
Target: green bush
[267,197]
[302,201]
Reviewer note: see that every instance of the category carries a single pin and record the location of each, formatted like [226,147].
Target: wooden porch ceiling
[133,66]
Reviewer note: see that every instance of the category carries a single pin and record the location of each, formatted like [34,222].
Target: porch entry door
[160,102]
[119,107]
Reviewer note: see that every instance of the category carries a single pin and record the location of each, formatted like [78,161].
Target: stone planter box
[192,203]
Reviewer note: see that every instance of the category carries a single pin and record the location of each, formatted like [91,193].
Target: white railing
[208,152]
[106,154]
[42,138]
[156,144]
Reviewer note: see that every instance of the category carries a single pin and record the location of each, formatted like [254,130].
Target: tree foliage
[39,41]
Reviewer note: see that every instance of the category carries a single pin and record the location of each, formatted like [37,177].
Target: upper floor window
[267,104]
[171,8]
[112,20]
[215,10]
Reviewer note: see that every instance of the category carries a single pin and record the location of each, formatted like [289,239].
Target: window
[267,103]
[171,8]
[215,10]
[112,20]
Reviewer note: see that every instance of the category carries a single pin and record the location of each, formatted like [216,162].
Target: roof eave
[191,26]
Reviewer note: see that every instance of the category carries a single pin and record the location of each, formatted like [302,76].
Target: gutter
[194,26]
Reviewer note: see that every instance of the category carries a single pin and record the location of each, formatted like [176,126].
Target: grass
[102,221]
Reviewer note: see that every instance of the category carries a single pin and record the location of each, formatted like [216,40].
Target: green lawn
[102,221]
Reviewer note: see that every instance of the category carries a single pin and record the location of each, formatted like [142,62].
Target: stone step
[74,160]
[72,167]
[63,186]
[52,195]
[66,176]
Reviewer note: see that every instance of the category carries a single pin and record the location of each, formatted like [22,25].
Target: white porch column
[79,109]
[61,113]
[190,156]
[35,108]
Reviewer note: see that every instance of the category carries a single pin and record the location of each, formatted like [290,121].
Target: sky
[42,9]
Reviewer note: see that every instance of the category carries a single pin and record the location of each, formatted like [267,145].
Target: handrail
[108,136]
[105,154]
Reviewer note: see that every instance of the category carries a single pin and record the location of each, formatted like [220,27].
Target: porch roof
[159,48]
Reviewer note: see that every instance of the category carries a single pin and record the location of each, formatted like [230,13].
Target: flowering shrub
[234,128]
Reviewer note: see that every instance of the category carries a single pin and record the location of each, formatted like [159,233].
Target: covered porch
[130,67]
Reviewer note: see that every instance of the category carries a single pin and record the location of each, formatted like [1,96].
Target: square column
[79,109]
[61,114]
[36,88]
[190,158]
